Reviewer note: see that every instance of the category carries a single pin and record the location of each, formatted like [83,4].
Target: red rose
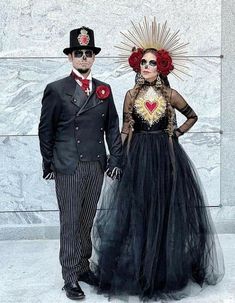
[102,92]
[164,62]
[135,58]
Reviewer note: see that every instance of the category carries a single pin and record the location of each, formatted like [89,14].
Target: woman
[153,235]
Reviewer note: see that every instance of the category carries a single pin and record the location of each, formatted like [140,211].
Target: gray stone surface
[228,168]
[227,106]
[23,80]
[227,110]
[29,231]
[22,187]
[227,92]
[40,28]
[227,29]
[224,218]
[32,267]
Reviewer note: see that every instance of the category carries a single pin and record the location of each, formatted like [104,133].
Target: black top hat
[82,38]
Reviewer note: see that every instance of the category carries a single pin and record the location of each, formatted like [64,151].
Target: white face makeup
[82,59]
[148,67]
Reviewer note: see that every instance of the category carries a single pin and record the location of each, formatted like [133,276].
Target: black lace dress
[152,235]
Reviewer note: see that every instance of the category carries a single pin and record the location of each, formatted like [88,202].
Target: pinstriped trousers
[77,197]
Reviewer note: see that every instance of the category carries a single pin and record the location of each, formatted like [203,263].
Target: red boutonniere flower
[164,62]
[135,58]
[102,92]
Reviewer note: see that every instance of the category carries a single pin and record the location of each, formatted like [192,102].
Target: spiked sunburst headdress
[171,54]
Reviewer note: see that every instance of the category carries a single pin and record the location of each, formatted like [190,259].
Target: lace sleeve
[178,102]
[127,116]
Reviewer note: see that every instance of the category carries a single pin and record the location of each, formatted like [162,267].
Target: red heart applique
[151,106]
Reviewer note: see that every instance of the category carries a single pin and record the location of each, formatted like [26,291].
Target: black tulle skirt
[152,234]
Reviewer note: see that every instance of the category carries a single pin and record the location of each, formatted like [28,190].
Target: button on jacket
[72,127]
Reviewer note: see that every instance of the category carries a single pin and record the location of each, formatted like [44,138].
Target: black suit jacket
[72,127]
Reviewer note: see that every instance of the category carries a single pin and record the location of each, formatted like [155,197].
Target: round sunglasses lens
[78,54]
[88,53]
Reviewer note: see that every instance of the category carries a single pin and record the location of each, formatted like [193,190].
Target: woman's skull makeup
[148,66]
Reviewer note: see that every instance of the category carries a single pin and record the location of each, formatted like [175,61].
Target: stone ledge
[28,232]
[224,220]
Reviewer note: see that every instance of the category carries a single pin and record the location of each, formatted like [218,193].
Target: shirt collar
[89,77]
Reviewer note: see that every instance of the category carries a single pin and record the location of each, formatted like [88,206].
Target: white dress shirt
[89,77]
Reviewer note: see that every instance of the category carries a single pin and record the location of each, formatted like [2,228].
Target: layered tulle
[152,235]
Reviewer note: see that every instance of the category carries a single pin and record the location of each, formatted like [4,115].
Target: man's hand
[50,176]
[115,173]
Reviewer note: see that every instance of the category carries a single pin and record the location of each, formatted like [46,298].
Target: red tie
[85,82]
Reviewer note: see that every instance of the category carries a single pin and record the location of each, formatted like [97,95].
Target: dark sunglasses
[80,53]
[152,63]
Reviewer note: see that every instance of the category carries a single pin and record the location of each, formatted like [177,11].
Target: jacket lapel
[69,86]
[74,92]
[92,99]
[79,97]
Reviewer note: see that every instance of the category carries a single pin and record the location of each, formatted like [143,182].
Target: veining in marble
[40,28]
[22,86]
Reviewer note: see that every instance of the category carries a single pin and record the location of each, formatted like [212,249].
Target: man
[76,113]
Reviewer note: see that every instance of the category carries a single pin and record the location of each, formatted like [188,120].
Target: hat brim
[69,50]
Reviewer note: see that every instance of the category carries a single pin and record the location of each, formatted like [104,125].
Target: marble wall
[32,37]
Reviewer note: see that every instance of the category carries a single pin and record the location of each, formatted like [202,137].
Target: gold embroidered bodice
[150,105]
[148,110]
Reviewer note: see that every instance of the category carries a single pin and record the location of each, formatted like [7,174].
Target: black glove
[48,174]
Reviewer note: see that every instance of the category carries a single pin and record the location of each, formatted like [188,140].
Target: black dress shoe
[73,291]
[89,278]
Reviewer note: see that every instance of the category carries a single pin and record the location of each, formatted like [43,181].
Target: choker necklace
[147,83]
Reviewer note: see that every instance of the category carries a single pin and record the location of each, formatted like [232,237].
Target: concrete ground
[30,273]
